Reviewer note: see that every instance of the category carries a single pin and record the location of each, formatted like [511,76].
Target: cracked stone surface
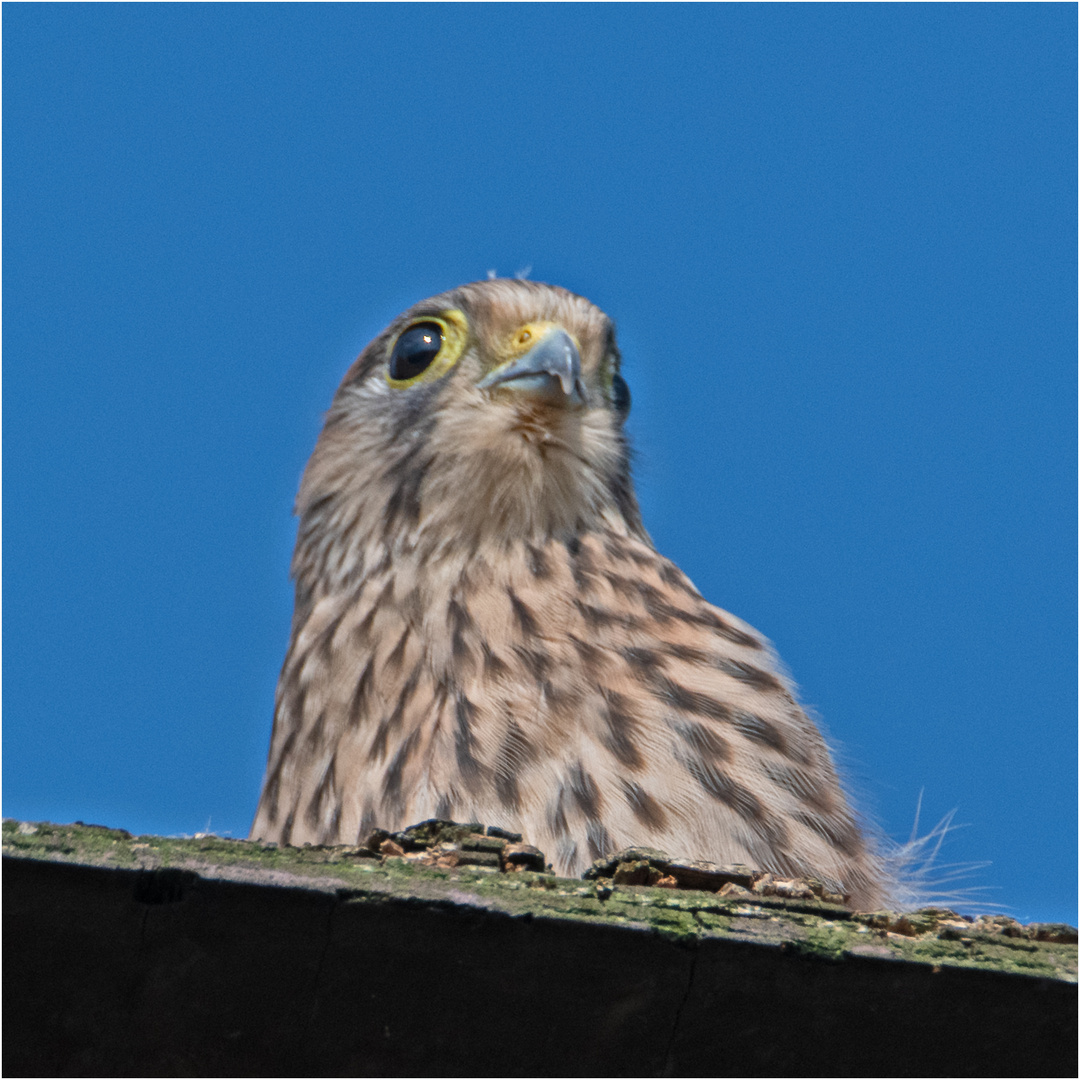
[447,950]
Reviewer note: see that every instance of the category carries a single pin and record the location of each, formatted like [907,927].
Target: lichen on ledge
[440,864]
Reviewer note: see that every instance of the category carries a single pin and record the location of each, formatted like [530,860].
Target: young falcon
[484,631]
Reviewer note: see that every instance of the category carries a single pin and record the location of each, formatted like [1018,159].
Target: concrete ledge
[134,956]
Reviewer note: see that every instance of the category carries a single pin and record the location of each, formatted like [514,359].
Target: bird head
[490,414]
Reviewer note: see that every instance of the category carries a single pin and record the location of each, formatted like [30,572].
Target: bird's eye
[415,350]
[620,396]
[427,349]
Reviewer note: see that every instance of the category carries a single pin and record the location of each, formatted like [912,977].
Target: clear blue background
[839,243]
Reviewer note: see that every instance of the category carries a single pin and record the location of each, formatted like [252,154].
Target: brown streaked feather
[483,630]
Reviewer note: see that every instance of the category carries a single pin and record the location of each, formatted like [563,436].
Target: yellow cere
[532,334]
[455,335]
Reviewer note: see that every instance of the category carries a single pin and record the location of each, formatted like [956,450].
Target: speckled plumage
[483,630]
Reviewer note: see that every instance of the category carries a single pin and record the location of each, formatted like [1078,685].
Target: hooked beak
[551,370]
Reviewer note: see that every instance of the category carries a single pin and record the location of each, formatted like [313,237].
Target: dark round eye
[415,349]
[620,396]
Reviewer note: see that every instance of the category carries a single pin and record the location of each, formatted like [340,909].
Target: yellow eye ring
[427,348]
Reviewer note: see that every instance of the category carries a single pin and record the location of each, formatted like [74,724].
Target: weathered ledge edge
[811,927]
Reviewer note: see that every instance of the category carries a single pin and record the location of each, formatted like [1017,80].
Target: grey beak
[554,357]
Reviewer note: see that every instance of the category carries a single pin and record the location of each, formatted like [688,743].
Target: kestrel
[483,630]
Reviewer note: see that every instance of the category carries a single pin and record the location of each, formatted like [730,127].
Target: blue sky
[839,245]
